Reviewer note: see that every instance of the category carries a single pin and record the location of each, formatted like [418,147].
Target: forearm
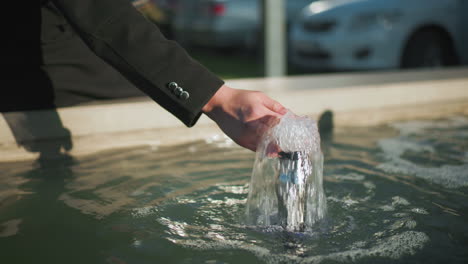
[121,36]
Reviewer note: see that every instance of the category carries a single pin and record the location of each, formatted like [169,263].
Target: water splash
[286,187]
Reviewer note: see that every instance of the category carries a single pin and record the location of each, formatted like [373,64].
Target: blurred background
[320,36]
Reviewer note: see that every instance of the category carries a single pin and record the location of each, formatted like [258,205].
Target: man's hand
[243,115]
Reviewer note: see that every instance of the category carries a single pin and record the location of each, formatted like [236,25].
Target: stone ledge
[122,124]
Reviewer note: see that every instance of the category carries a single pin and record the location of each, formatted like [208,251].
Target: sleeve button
[178,91]
[184,95]
[172,85]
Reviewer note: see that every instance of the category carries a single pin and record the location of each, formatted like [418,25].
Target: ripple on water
[428,142]
[388,199]
[372,213]
[393,246]
[216,226]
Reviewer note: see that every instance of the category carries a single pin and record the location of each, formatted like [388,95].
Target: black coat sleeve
[121,36]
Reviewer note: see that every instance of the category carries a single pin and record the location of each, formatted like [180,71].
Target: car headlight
[385,19]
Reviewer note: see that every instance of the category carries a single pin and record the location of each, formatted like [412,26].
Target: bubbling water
[286,186]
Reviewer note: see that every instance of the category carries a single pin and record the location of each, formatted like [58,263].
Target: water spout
[286,187]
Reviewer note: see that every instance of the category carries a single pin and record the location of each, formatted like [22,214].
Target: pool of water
[395,193]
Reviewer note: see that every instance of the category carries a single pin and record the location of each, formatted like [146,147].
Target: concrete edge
[98,127]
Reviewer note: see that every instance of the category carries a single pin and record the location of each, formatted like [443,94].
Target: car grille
[319,26]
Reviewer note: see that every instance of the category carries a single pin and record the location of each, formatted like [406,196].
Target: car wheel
[428,49]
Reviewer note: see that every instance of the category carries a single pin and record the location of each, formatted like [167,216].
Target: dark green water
[396,194]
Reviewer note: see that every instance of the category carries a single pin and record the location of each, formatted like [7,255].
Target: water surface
[395,194]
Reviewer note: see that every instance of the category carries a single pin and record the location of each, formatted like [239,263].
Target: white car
[224,23]
[380,34]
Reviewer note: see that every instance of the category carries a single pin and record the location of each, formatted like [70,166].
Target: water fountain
[286,187]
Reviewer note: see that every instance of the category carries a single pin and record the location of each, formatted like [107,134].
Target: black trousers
[53,67]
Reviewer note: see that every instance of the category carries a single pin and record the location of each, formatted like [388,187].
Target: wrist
[216,100]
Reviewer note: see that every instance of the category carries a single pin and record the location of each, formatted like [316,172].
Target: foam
[350,177]
[143,211]
[296,133]
[419,211]
[397,200]
[450,176]
[393,247]
[417,127]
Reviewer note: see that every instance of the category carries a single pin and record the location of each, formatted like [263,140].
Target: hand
[243,115]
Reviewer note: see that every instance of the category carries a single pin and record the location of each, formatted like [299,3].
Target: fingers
[275,106]
[259,128]
[270,120]
[272,150]
[251,115]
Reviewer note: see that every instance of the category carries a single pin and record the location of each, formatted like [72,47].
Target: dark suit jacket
[49,45]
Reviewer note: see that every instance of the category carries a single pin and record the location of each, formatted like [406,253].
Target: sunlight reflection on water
[394,193]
